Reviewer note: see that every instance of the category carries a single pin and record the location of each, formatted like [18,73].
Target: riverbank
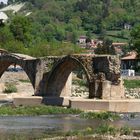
[54,123]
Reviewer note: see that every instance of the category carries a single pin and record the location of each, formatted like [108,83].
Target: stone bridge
[50,76]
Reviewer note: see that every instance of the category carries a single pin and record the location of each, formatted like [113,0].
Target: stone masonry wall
[103,75]
[50,75]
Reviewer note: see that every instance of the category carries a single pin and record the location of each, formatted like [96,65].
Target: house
[130,61]
[127,26]
[3,17]
[82,40]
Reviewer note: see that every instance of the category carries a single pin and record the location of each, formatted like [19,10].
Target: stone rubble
[78,91]
[132,93]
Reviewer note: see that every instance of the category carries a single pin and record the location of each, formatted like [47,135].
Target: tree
[105,47]
[135,39]
[5,35]
[21,28]
[49,32]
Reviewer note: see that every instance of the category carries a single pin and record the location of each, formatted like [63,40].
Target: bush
[106,129]
[125,130]
[79,82]
[10,88]
[99,115]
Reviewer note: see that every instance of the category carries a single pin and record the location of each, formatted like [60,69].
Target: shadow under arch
[57,79]
[7,60]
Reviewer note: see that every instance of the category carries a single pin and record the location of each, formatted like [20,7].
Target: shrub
[125,130]
[10,88]
[106,129]
[79,82]
[99,115]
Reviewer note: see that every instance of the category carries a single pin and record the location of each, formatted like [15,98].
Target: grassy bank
[48,110]
[132,83]
[99,115]
[36,110]
[83,134]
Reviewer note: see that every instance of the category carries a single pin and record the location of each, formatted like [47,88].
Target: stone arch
[59,75]
[7,60]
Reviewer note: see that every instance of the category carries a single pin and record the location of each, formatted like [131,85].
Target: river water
[33,127]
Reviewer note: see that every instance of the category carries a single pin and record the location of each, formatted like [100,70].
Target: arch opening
[69,78]
[14,80]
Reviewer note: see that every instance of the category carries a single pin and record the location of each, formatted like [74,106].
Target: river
[36,126]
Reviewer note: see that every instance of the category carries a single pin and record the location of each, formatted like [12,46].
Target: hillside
[58,21]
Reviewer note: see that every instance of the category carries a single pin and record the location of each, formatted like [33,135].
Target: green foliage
[5,35]
[131,83]
[105,48]
[24,81]
[21,27]
[100,115]
[103,129]
[135,42]
[125,130]
[10,88]
[36,110]
[64,21]
[79,82]
[106,129]
[14,46]
[54,48]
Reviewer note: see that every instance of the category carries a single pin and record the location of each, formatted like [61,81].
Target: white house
[3,17]
[127,26]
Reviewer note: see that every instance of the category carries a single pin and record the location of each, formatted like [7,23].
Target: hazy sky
[4,1]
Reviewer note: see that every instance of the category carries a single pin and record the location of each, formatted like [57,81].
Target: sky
[4,1]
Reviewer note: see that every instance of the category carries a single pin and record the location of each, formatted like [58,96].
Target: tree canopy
[135,40]
[63,21]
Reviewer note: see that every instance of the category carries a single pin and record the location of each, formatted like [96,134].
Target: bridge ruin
[51,79]
[50,76]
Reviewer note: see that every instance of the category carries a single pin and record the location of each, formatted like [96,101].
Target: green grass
[116,39]
[47,110]
[36,110]
[132,83]
[119,33]
[103,129]
[99,115]
[106,129]
[24,81]
[125,130]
